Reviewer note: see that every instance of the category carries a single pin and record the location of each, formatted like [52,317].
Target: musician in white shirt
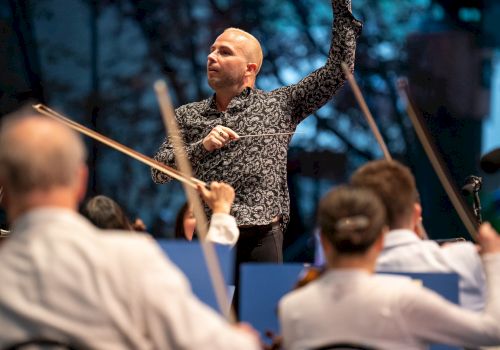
[349,304]
[404,250]
[63,279]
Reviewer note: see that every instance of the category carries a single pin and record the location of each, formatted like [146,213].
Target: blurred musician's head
[42,164]
[395,185]
[352,222]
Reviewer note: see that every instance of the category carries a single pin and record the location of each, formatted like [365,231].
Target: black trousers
[262,244]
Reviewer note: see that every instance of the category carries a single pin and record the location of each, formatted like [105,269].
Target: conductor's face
[227,61]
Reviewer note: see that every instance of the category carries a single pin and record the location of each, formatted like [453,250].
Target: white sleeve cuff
[223,229]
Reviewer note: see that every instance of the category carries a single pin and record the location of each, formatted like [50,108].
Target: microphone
[490,162]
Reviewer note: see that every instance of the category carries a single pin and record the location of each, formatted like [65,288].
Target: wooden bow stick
[436,160]
[373,126]
[189,181]
[211,258]
[366,111]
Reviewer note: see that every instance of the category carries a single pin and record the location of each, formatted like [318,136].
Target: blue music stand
[445,284]
[262,286]
[188,256]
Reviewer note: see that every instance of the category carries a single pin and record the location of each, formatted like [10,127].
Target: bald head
[37,153]
[249,44]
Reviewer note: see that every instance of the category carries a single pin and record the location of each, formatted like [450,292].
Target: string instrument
[310,274]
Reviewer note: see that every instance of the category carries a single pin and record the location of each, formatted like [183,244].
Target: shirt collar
[237,103]
[346,272]
[400,237]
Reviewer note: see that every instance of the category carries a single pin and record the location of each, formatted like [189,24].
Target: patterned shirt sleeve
[195,151]
[317,88]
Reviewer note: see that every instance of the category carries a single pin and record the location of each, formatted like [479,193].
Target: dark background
[96,61]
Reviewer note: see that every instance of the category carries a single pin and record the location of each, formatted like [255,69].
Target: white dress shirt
[404,251]
[385,312]
[64,279]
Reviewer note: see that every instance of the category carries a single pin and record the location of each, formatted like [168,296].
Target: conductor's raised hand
[219,197]
[219,137]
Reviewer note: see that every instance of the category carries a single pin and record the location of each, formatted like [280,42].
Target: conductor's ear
[252,68]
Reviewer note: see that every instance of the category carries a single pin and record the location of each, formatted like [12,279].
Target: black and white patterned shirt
[256,167]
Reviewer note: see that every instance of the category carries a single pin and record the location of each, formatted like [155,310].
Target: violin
[308,275]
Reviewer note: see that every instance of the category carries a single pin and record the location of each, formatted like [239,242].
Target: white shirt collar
[400,237]
[345,273]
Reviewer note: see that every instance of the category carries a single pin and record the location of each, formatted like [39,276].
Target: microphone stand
[472,186]
[476,207]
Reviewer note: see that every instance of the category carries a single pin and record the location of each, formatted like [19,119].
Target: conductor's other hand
[219,137]
[219,198]
[489,240]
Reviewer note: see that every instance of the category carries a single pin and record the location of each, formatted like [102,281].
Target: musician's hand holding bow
[219,198]
[489,239]
[219,137]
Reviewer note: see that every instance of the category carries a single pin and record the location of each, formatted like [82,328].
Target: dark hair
[179,222]
[351,219]
[106,214]
[394,184]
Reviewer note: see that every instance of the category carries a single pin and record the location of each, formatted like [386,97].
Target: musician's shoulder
[461,250]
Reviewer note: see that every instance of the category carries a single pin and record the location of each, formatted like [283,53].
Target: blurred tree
[139,41]
[136,42]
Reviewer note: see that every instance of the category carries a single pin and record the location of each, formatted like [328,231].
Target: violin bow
[208,249]
[435,159]
[373,126]
[187,181]
[366,111]
[176,174]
